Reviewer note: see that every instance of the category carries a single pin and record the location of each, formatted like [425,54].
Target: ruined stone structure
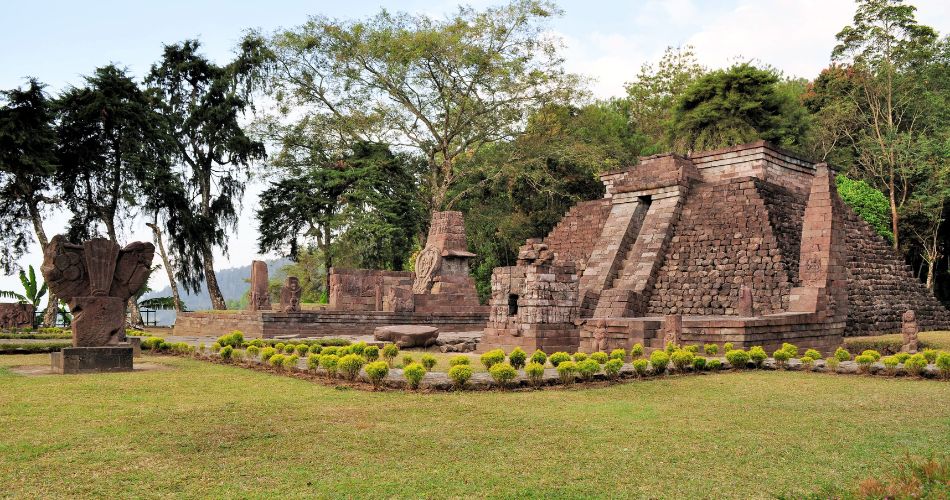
[16,315]
[749,245]
[96,279]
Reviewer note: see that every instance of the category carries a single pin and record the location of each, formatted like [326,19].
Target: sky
[60,41]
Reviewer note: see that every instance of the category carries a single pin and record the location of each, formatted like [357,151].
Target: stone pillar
[260,292]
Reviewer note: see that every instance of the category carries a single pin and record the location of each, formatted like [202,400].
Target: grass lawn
[198,429]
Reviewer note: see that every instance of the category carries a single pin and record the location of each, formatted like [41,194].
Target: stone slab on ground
[92,360]
[407,335]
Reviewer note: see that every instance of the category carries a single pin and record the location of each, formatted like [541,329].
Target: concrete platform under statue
[92,359]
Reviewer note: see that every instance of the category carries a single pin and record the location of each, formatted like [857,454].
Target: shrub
[343,351]
[152,343]
[930,355]
[459,359]
[670,348]
[711,349]
[503,373]
[215,347]
[492,357]
[558,358]
[692,348]
[460,374]
[277,361]
[314,349]
[371,353]
[915,364]
[588,368]
[682,359]
[280,346]
[407,360]
[539,357]
[414,374]
[943,363]
[612,368]
[808,362]
[791,349]
[713,364]
[832,363]
[535,372]
[349,366]
[699,364]
[738,358]
[813,354]
[864,362]
[313,361]
[330,350]
[599,357]
[902,357]
[256,343]
[202,347]
[636,351]
[567,370]
[641,366]
[871,352]
[727,347]
[890,364]
[226,352]
[579,356]
[659,360]
[290,362]
[233,339]
[376,372]
[267,353]
[620,354]
[842,354]
[428,361]
[301,349]
[518,357]
[329,363]
[757,355]
[253,350]
[359,348]
[390,351]
[290,348]
[781,356]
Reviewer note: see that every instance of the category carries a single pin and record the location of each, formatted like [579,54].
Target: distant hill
[233,283]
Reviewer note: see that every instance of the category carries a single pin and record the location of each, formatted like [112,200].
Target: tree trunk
[168,266]
[135,315]
[217,300]
[893,201]
[931,264]
[52,307]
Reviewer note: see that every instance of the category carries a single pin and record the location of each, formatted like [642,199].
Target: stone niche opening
[513,304]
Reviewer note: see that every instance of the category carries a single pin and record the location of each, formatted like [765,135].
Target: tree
[27,170]
[887,49]
[736,105]
[446,89]
[203,103]
[869,203]
[33,291]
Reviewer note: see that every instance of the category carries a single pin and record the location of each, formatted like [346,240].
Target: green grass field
[198,429]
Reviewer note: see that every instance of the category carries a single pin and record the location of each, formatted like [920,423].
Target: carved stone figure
[909,330]
[600,336]
[16,315]
[96,279]
[672,329]
[290,295]
[427,264]
[260,294]
[744,308]
[399,300]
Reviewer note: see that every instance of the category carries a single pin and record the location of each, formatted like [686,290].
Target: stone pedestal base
[92,360]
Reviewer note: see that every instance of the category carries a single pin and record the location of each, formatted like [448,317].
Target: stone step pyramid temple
[749,245]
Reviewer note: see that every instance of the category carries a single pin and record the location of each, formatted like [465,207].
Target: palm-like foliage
[33,290]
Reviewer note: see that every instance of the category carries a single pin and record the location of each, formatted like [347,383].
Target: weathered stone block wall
[761,160]
[574,237]
[364,289]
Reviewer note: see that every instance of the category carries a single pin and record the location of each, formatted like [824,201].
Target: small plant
[711,349]
[713,365]
[290,348]
[864,362]
[226,352]
[659,361]
[359,348]
[781,357]
[460,375]
[428,361]
[636,351]
[390,351]
[813,354]
[215,347]
[534,372]
[579,356]
[290,362]
[807,362]
[329,363]
[915,364]
[414,374]
[902,357]
[599,357]
[738,358]
[727,347]
[587,369]
[842,354]
[349,366]
[558,358]
[343,351]
[930,355]
[301,350]
[758,356]
[313,362]
[257,343]
[371,353]
[943,364]
[376,372]
[153,343]
[791,349]
[503,374]
[567,370]
[253,351]
[682,359]
[267,353]
[459,359]
[699,364]
[871,352]
[693,348]
[620,354]
[314,349]
[832,363]
[612,368]
[233,339]
[671,348]
[280,347]
[492,358]
[330,350]
[277,361]
[641,367]
[407,360]
[890,364]
[539,357]
[517,357]
[202,347]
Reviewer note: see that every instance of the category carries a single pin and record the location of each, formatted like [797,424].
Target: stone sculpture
[290,295]
[672,329]
[16,315]
[260,293]
[744,307]
[909,330]
[600,336]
